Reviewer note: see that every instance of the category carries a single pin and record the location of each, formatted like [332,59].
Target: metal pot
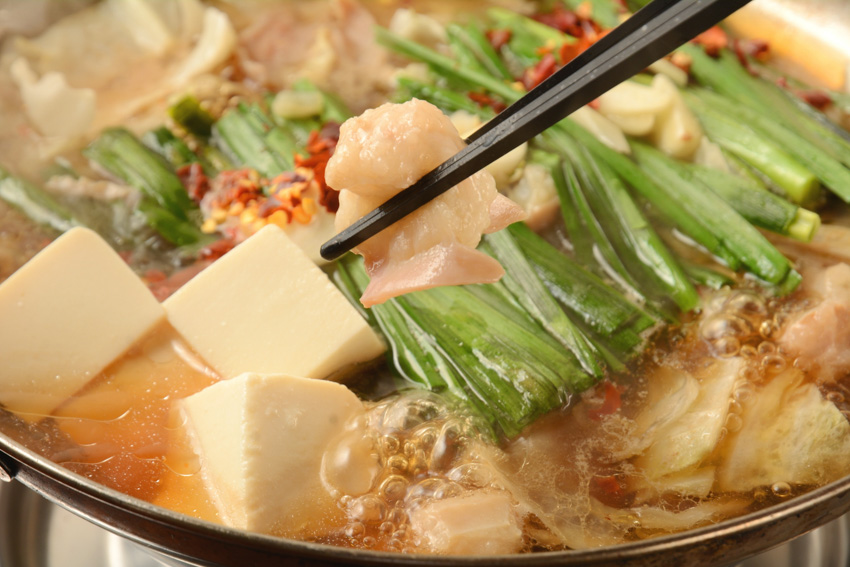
[175,537]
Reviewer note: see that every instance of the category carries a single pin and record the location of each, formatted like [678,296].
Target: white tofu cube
[481,523]
[261,439]
[64,316]
[265,307]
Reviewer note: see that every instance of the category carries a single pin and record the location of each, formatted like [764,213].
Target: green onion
[165,204]
[736,234]
[601,308]
[248,138]
[830,171]
[190,115]
[524,283]
[797,181]
[38,205]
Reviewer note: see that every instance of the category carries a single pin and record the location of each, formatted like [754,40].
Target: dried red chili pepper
[540,72]
[194,179]
[712,40]
[483,99]
[498,38]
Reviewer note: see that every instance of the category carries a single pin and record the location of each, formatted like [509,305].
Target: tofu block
[64,316]
[481,523]
[265,307]
[261,440]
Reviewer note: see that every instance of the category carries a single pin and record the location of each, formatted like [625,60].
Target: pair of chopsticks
[650,34]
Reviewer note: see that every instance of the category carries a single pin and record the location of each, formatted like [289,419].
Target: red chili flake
[757,48]
[540,72]
[236,186]
[743,57]
[499,38]
[570,51]
[483,99]
[320,147]
[610,404]
[818,99]
[712,40]
[217,249]
[575,23]
[194,180]
[561,19]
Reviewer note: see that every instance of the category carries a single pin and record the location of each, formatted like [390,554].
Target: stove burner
[36,533]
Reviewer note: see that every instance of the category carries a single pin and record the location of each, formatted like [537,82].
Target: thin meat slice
[386,150]
[821,334]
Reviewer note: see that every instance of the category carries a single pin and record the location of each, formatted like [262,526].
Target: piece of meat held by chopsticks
[387,149]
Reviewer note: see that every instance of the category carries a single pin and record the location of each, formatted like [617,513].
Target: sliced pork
[821,334]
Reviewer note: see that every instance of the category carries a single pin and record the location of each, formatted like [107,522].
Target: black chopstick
[650,34]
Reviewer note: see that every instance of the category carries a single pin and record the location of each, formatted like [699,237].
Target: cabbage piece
[54,107]
[694,483]
[656,518]
[670,393]
[214,46]
[687,441]
[790,433]
[143,23]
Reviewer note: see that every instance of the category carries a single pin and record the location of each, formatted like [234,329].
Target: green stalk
[445,66]
[174,150]
[830,171]
[755,203]
[518,373]
[792,177]
[524,283]
[604,12]
[737,235]
[727,76]
[35,203]
[166,205]
[579,184]
[190,115]
[542,34]
[706,276]
[333,109]
[671,209]
[566,184]
[242,134]
[475,40]
[600,307]
[409,352]
[476,345]
[445,99]
[637,244]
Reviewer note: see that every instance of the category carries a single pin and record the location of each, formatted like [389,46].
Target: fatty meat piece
[821,335]
[386,150]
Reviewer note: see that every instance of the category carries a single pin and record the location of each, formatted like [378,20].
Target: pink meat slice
[821,334]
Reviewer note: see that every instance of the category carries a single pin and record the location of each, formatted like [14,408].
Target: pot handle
[8,468]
